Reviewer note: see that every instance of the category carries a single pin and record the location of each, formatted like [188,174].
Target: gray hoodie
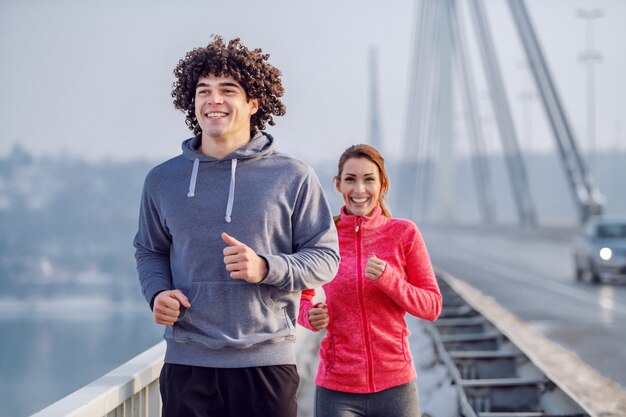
[268,200]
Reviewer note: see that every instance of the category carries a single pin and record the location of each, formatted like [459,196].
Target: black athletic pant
[194,391]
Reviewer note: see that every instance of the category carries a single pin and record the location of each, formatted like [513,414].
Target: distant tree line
[64,220]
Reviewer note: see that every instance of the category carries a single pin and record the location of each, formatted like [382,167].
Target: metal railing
[131,390]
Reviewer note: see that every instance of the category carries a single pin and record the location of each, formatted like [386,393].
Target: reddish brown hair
[370,153]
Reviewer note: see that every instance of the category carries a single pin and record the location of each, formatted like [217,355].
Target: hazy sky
[93,78]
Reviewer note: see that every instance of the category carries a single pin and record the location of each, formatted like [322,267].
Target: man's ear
[254,105]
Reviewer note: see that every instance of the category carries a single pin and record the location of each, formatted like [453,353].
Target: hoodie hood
[260,145]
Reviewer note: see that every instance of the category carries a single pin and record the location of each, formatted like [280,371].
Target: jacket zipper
[360,285]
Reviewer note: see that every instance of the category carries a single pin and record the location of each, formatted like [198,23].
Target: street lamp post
[590,57]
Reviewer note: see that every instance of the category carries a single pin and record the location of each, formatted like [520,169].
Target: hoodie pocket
[232,315]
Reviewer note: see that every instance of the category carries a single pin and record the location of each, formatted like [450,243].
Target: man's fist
[166,306]
[242,262]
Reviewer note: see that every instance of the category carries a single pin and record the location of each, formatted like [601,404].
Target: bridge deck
[488,377]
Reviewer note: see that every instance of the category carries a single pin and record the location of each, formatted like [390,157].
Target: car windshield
[611,230]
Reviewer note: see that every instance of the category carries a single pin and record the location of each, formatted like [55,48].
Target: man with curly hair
[230,232]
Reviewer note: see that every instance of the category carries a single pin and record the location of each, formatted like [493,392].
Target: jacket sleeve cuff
[386,279]
[303,316]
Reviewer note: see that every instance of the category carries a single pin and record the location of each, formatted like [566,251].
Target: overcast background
[85,92]
[92,79]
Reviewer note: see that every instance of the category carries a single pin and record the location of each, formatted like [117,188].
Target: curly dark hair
[250,68]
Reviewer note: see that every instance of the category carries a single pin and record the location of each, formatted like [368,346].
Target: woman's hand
[318,316]
[374,267]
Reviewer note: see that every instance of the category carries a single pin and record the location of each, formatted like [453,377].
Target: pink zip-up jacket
[366,348]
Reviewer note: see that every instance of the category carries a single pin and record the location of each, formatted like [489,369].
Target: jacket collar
[371,222]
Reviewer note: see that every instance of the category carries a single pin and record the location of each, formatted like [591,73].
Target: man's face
[222,109]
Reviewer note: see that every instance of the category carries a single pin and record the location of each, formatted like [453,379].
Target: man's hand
[318,316]
[167,306]
[242,262]
[374,267]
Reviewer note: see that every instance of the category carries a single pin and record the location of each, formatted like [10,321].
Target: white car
[600,250]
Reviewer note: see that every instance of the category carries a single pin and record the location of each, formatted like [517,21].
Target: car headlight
[606,254]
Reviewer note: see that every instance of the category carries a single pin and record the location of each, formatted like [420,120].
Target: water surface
[50,348]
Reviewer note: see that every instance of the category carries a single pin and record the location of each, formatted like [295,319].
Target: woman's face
[360,186]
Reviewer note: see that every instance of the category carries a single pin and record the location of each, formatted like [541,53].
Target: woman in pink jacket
[366,367]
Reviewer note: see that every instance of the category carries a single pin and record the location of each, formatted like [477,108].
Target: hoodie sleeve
[419,295]
[152,248]
[315,256]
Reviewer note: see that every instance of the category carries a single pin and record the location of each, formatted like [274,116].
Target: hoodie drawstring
[231,191]
[192,181]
